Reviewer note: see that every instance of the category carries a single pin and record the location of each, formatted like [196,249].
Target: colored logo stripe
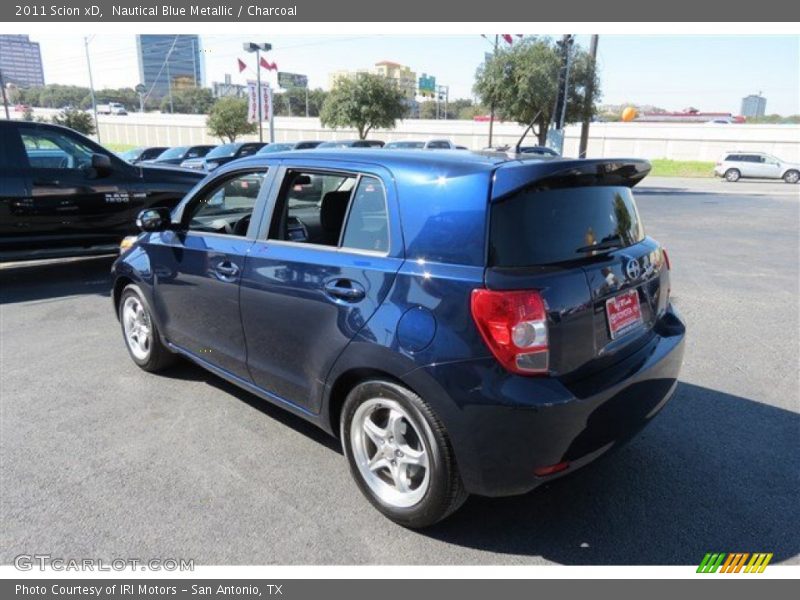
[734,561]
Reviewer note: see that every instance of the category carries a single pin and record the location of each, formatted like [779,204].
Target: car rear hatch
[570,230]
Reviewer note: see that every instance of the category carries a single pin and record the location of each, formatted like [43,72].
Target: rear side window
[367,224]
[547,227]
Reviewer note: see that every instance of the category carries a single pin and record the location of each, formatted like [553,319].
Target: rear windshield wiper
[609,244]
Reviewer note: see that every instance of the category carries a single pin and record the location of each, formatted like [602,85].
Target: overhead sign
[292,80]
[427,85]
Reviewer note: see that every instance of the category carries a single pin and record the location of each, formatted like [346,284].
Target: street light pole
[91,88]
[491,113]
[257,48]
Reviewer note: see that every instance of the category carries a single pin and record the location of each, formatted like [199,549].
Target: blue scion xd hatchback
[467,324]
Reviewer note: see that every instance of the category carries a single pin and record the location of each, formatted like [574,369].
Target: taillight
[514,326]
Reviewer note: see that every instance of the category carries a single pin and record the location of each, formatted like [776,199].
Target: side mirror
[154,219]
[99,166]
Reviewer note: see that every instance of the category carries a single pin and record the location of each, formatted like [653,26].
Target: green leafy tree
[228,119]
[80,121]
[191,101]
[521,81]
[364,102]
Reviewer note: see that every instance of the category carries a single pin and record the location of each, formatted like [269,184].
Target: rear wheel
[791,176]
[399,454]
[732,175]
[140,332]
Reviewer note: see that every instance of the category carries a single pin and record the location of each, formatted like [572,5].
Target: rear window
[566,224]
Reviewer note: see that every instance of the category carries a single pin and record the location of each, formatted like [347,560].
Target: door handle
[226,271]
[345,289]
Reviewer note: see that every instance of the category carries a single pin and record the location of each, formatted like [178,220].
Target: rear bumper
[503,427]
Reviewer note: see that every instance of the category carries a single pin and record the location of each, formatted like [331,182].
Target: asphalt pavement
[100,459]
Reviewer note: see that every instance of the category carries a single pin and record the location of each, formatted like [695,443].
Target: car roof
[510,173]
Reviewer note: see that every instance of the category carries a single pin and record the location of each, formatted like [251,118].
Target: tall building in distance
[404,78]
[169,62]
[21,61]
[754,106]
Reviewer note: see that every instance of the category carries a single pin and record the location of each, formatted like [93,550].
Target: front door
[197,270]
[70,202]
[328,261]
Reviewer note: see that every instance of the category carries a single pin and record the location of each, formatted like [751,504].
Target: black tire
[732,175]
[158,356]
[445,492]
[791,176]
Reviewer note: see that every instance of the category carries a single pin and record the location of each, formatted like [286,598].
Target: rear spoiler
[559,173]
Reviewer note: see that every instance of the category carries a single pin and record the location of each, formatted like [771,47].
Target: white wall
[678,141]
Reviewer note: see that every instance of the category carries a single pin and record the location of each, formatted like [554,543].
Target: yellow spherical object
[629,114]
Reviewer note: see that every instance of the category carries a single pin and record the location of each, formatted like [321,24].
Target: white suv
[735,165]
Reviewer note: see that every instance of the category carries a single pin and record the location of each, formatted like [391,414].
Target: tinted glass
[439,146]
[172,153]
[248,149]
[53,150]
[198,151]
[275,148]
[367,224]
[553,226]
[223,151]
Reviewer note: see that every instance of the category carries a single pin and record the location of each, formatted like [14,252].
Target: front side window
[227,206]
[54,150]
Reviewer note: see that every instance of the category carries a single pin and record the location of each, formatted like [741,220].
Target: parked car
[175,156]
[222,155]
[421,145]
[733,166]
[478,328]
[352,144]
[537,150]
[112,108]
[137,155]
[287,146]
[61,194]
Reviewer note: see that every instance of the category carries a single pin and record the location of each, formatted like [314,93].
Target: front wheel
[791,176]
[732,175]
[399,454]
[140,332]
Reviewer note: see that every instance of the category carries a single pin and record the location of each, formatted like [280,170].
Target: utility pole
[491,113]
[306,100]
[91,87]
[5,98]
[587,109]
[555,134]
[169,86]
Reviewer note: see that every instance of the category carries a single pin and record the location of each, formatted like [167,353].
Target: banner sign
[252,101]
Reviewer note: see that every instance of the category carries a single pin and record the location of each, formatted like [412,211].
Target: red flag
[268,65]
[242,66]
[507,37]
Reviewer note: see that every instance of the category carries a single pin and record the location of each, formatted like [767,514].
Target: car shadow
[186,370]
[713,472]
[51,279]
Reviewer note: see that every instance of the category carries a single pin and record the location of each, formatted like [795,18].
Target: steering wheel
[241,226]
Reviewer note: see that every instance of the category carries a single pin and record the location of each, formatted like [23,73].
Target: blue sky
[711,73]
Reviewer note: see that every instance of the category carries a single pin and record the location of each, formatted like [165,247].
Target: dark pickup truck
[61,194]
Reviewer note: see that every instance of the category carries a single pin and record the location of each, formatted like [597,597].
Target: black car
[222,155]
[178,154]
[61,194]
[137,155]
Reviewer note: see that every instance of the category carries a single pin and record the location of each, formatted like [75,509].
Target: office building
[754,106]
[21,61]
[169,62]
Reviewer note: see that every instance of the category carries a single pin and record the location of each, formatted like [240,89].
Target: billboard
[288,81]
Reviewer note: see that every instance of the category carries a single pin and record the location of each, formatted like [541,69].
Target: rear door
[324,263]
[603,281]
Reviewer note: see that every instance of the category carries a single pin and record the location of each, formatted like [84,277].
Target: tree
[228,119]
[364,102]
[80,121]
[191,101]
[521,81]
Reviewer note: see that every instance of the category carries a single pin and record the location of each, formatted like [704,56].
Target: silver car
[735,165]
